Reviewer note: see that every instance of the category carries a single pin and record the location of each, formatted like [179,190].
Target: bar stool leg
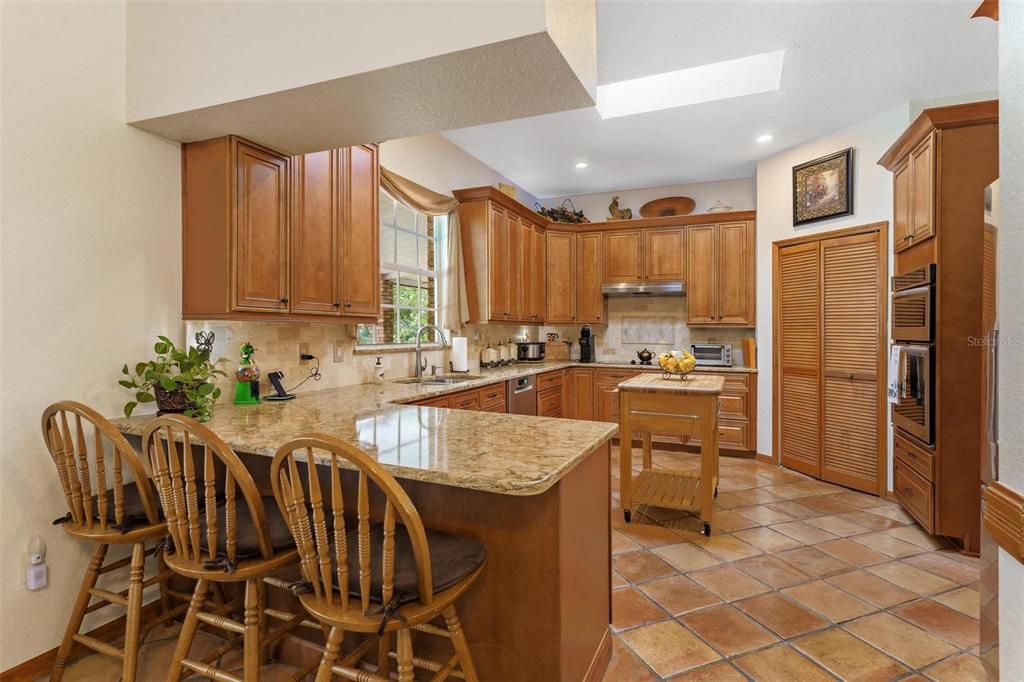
[78,611]
[134,618]
[325,672]
[188,630]
[451,619]
[383,659]
[165,584]
[405,668]
[251,634]
[265,652]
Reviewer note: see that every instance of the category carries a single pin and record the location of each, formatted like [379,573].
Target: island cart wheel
[707,529]
[626,513]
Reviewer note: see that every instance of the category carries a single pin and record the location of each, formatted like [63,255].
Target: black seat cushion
[246,537]
[134,512]
[452,558]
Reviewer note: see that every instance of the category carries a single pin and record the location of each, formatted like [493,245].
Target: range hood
[676,288]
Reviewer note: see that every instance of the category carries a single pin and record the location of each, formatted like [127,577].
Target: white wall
[1011,320]
[434,162]
[872,192]
[738,193]
[90,273]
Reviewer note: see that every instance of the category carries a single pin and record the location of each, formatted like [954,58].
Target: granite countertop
[500,453]
[697,384]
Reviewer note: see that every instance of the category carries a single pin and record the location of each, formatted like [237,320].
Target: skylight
[721,80]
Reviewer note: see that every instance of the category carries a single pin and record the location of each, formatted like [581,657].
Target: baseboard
[42,664]
[599,664]
[767,459]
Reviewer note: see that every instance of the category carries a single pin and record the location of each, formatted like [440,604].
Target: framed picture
[823,188]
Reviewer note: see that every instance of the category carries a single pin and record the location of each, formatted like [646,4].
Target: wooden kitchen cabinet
[503,251]
[560,277]
[581,381]
[623,256]
[664,254]
[266,236]
[720,274]
[913,182]
[589,299]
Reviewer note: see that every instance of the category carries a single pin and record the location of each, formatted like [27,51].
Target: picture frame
[823,188]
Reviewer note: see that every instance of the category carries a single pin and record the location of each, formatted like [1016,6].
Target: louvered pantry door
[799,346]
[852,324]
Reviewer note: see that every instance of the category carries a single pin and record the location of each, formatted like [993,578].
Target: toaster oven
[712,354]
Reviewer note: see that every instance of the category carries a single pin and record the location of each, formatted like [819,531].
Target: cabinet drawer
[549,380]
[918,459]
[469,400]
[734,381]
[492,395]
[549,403]
[496,407]
[615,376]
[732,435]
[440,401]
[914,493]
[733,406]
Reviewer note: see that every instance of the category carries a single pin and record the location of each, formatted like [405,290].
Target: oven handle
[925,290]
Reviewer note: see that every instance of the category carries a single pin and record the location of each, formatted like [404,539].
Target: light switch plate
[339,351]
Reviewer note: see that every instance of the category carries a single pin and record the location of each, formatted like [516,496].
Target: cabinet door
[582,393]
[589,301]
[498,265]
[560,277]
[701,283]
[538,288]
[608,403]
[622,256]
[664,254]
[922,181]
[360,231]
[516,255]
[851,287]
[261,229]
[315,252]
[901,234]
[526,272]
[735,274]
[798,273]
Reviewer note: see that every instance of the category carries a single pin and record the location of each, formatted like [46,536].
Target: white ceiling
[845,61]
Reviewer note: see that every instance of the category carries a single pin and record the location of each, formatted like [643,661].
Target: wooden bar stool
[105,510]
[218,539]
[400,578]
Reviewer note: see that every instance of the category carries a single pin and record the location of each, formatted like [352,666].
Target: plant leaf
[168,384]
[144,397]
[160,348]
[128,407]
[124,370]
[126,383]
[166,340]
[140,368]
[215,394]
[188,413]
[206,389]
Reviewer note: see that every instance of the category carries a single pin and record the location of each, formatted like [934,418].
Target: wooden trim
[881,226]
[1002,512]
[599,664]
[767,459]
[649,223]
[497,196]
[956,116]
[988,9]
[110,631]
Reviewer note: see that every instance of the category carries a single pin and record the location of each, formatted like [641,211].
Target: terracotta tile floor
[801,580]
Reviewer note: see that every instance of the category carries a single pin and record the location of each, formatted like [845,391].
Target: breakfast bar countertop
[492,452]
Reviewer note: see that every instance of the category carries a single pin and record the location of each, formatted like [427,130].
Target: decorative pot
[171,402]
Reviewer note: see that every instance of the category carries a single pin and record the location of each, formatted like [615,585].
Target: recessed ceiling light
[582,164]
[720,80]
[767,137]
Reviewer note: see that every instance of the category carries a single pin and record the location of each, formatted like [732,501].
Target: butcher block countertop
[695,384]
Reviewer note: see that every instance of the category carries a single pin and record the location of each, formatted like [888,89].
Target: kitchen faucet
[420,363]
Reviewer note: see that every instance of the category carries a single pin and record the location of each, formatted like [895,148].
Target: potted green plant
[179,381]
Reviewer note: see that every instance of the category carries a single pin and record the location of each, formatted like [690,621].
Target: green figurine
[247,388]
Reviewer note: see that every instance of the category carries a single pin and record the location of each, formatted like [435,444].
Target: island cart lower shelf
[651,405]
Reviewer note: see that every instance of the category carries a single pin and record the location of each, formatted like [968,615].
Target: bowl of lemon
[677,363]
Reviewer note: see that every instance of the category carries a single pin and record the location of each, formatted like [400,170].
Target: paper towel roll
[460,354]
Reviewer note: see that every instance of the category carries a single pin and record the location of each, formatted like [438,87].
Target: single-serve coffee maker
[586,344]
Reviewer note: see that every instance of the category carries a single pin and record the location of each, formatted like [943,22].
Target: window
[409,248]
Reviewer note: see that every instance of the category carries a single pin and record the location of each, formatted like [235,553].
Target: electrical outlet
[339,351]
[303,350]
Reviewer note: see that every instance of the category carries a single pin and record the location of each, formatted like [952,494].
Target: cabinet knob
[284,300]
[336,305]
[909,492]
[908,237]
[348,305]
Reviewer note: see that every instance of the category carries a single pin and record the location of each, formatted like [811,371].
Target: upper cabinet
[560,277]
[589,300]
[720,274]
[266,236]
[913,201]
[503,251]
[639,255]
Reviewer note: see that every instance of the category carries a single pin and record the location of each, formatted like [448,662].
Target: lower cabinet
[581,390]
[487,399]
[551,394]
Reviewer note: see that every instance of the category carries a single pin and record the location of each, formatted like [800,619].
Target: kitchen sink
[440,379]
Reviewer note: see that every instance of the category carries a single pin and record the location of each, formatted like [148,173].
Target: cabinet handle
[284,300]
[909,492]
[908,237]
[348,305]
[336,305]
